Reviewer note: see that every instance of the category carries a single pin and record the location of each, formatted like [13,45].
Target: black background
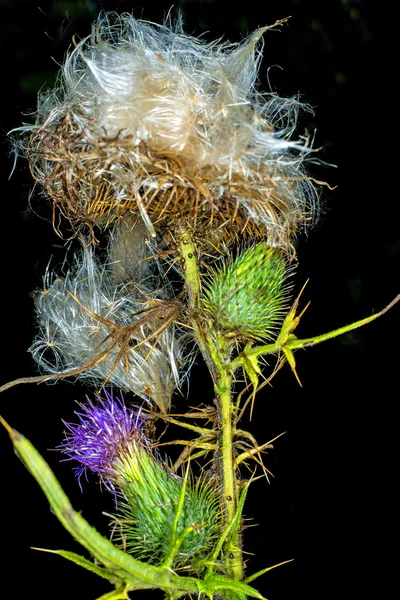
[332,503]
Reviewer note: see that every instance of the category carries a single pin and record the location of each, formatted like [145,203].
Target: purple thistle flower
[107,432]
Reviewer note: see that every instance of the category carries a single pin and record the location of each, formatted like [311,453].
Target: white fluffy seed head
[148,120]
[84,321]
[177,94]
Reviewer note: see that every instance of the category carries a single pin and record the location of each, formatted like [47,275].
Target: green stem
[217,359]
[223,387]
[189,265]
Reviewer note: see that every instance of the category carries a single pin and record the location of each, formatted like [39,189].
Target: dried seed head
[149,121]
[105,332]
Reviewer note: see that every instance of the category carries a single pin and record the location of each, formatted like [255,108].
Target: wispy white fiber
[75,316]
[135,96]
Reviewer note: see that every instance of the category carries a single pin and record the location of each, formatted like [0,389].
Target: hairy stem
[189,265]
[217,358]
[223,387]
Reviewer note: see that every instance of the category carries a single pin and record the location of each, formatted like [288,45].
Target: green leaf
[252,369]
[135,574]
[294,343]
[266,570]
[232,529]
[118,594]
[81,561]
[218,583]
[236,523]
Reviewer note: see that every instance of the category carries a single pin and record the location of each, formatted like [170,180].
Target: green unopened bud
[247,297]
[164,517]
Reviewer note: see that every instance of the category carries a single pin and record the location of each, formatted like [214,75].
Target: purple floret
[107,430]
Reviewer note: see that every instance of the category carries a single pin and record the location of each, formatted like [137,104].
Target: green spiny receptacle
[247,297]
[161,510]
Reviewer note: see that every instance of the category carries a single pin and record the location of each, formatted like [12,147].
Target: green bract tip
[247,297]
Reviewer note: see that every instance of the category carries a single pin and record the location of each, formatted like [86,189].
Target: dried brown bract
[149,122]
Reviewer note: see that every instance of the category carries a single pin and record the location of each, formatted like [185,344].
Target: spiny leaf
[81,561]
[295,343]
[288,342]
[217,583]
[232,529]
[118,594]
[252,370]
[266,570]
[135,574]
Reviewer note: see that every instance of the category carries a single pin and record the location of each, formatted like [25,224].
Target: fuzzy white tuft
[87,319]
[142,110]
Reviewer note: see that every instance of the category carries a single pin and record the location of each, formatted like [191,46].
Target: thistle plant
[161,517]
[182,188]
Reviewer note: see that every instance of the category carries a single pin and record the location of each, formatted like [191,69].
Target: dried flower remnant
[129,252]
[110,442]
[149,121]
[105,332]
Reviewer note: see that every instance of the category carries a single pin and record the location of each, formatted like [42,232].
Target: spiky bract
[147,516]
[104,331]
[152,515]
[149,121]
[247,297]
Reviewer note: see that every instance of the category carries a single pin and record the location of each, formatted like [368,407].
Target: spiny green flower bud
[247,297]
[153,522]
[161,517]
